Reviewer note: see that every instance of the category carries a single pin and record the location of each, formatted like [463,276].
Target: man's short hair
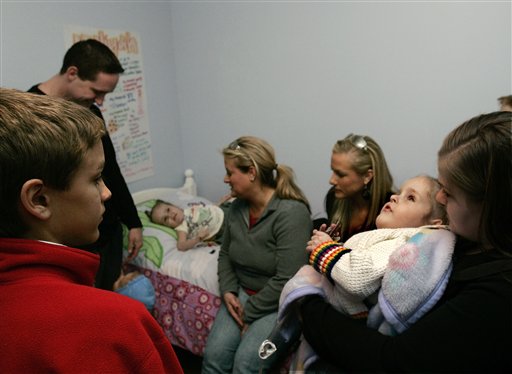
[91,57]
[505,100]
[41,137]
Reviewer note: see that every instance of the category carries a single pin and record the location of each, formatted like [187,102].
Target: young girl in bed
[347,274]
[194,224]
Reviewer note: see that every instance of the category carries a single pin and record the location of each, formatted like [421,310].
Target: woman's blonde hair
[368,155]
[248,151]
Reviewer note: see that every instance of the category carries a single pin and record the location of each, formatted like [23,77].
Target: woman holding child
[469,329]
[265,234]
[348,275]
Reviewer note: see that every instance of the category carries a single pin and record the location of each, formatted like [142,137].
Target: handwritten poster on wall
[125,109]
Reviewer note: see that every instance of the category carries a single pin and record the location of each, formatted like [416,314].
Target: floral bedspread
[186,312]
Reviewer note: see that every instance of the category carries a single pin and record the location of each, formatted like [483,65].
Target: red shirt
[53,320]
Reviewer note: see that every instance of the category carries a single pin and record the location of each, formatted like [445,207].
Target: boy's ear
[34,200]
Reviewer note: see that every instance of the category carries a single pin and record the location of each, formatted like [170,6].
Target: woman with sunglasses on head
[469,329]
[361,185]
[266,231]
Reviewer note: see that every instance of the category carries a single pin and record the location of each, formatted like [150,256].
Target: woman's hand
[318,238]
[235,308]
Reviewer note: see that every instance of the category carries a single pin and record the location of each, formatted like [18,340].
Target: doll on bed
[194,224]
[136,286]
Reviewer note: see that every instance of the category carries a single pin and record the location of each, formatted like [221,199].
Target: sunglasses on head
[234,146]
[358,141]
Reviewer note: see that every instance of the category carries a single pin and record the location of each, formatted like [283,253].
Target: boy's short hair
[41,137]
[91,57]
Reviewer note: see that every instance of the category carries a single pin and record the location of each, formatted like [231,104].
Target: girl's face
[239,181]
[412,207]
[167,215]
[346,181]
[463,213]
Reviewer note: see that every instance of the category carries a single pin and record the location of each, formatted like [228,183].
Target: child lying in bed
[347,274]
[193,224]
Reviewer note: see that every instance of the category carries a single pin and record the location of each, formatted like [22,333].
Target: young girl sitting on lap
[348,274]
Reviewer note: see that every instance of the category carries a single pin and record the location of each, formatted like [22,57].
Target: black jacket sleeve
[469,330]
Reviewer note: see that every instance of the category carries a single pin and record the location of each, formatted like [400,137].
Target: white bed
[185,282]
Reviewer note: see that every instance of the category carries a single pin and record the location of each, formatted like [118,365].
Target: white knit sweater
[358,274]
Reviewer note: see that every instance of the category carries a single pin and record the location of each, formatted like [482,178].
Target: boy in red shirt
[52,197]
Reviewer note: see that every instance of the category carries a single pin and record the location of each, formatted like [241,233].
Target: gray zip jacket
[263,258]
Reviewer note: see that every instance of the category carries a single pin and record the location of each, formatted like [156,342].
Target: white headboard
[188,187]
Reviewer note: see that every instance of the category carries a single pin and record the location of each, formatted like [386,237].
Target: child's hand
[318,238]
[203,234]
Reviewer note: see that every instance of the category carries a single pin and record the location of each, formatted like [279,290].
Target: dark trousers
[322,367]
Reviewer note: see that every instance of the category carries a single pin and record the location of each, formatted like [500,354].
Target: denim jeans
[228,352]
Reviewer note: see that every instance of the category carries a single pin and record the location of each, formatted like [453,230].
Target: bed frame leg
[190,184]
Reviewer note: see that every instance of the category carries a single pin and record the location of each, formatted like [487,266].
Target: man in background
[89,72]
[505,103]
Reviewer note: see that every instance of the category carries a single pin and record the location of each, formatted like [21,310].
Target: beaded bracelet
[318,251]
[324,256]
